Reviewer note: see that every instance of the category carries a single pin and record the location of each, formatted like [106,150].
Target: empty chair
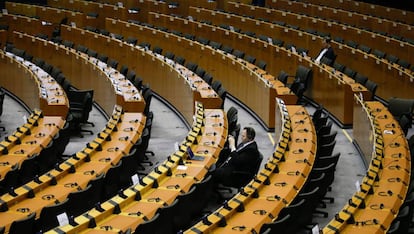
[137,82]
[327,61]
[200,71]
[227,49]
[145,45]
[325,129]
[79,201]
[216,85]
[250,59]
[92,53]
[102,58]
[10,180]
[338,67]
[2,96]
[131,75]
[124,70]
[18,52]
[352,44]
[47,158]
[203,40]
[55,72]
[364,48]
[38,61]
[404,63]
[25,225]
[326,150]
[360,78]
[90,28]
[112,63]
[282,225]
[92,15]
[323,34]
[327,139]
[215,45]
[191,66]
[80,105]
[261,64]
[157,50]
[311,31]
[48,216]
[303,75]
[129,168]
[111,181]
[263,38]
[208,78]
[283,77]
[189,36]
[238,54]
[222,93]
[184,210]
[131,40]
[378,53]
[293,26]
[298,89]
[249,33]
[81,48]
[169,55]
[349,72]
[117,36]
[47,67]
[391,58]
[179,60]
[302,51]
[277,42]
[104,32]
[401,107]
[372,87]
[281,23]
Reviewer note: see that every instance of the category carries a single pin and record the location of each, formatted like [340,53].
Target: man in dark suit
[326,52]
[242,158]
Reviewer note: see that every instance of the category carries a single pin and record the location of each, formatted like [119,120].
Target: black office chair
[131,40]
[29,169]
[148,226]
[48,216]
[25,225]
[169,55]
[282,225]
[131,75]
[391,58]
[80,105]
[129,168]
[112,63]
[222,93]
[157,50]
[325,150]
[208,78]
[401,107]
[325,129]
[277,42]
[163,223]
[352,44]
[404,63]
[372,87]
[81,48]
[339,67]
[238,54]
[145,45]
[327,139]
[261,64]
[203,40]
[47,158]
[180,60]
[200,72]
[112,181]
[79,201]
[227,49]
[215,45]
[10,180]
[361,78]
[349,72]
[283,77]
[184,210]
[364,48]
[216,85]
[124,70]
[378,53]
[191,66]
[250,59]
[103,58]
[92,53]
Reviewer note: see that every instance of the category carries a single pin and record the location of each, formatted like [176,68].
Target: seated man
[326,51]
[242,159]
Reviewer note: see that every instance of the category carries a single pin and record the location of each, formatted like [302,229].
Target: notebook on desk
[192,156]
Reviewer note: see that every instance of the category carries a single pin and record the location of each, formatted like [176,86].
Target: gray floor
[168,129]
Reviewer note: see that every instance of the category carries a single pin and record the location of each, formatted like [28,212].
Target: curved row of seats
[275,186]
[382,46]
[148,205]
[344,16]
[377,69]
[382,192]
[379,11]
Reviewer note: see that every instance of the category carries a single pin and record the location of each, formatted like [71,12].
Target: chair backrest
[349,72]
[48,215]
[10,180]
[339,67]
[261,64]
[208,78]
[78,201]
[304,75]
[200,71]
[2,96]
[280,226]
[169,55]
[25,225]
[324,161]
[250,59]
[283,77]
[391,58]
[148,227]
[325,150]
[361,78]
[191,66]
[216,85]
[179,60]
[372,87]
[401,106]
[112,181]
[380,54]
[238,53]
[328,138]
[364,48]
[227,49]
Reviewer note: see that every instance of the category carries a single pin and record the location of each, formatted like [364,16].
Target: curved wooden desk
[383,189]
[341,15]
[401,49]
[393,14]
[378,70]
[275,186]
[85,73]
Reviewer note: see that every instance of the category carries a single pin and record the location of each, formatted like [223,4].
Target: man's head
[248,134]
[326,41]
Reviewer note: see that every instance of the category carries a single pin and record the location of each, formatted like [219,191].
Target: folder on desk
[192,156]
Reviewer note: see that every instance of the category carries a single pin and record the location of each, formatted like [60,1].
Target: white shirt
[318,59]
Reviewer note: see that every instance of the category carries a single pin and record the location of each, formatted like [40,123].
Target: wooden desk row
[392,14]
[402,50]
[101,9]
[218,66]
[280,59]
[376,69]
[85,73]
[26,24]
[32,85]
[81,168]
[276,185]
[28,140]
[382,191]
[47,14]
[176,175]
[146,63]
[351,18]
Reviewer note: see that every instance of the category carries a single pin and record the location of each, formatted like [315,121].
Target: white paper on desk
[135,179]
[358,186]
[176,146]
[181,167]
[24,118]
[73,24]
[62,219]
[4,11]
